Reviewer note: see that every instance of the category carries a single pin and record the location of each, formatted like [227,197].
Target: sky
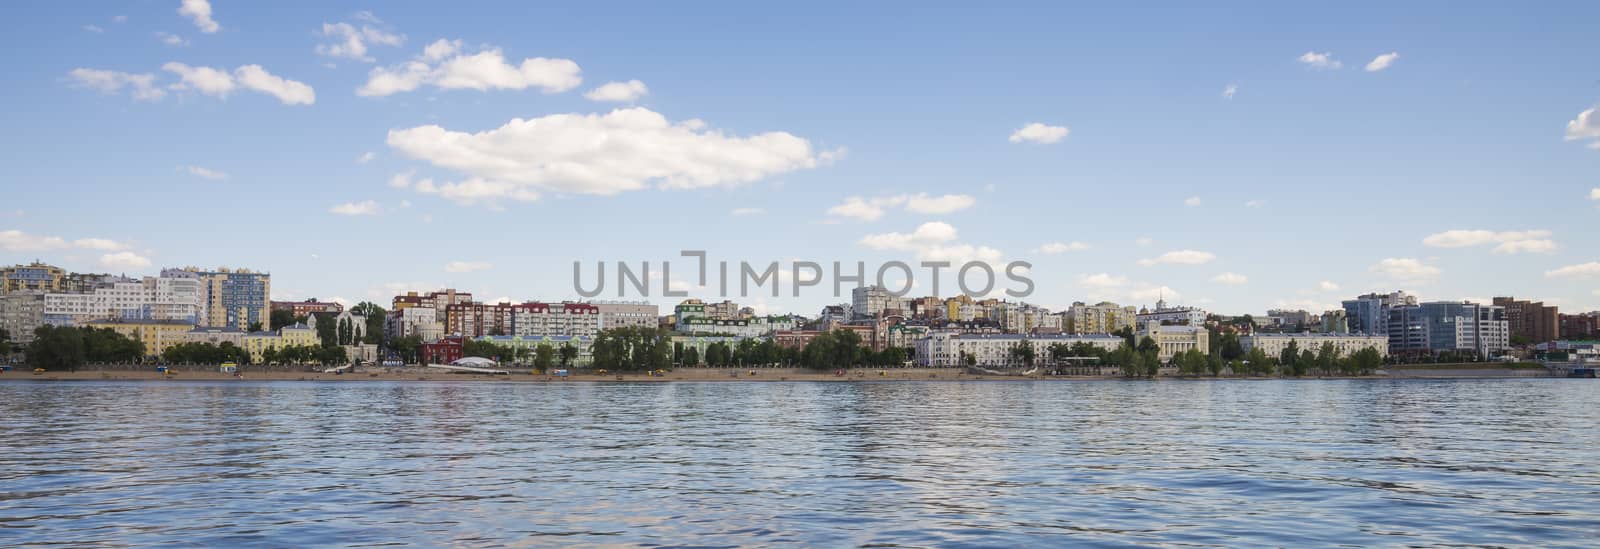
[1236,157]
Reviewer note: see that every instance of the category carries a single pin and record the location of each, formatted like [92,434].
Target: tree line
[67,348]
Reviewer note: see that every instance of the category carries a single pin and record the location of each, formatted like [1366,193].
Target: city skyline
[357,155]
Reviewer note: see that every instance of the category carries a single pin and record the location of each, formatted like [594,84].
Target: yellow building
[157,335]
[33,277]
[298,335]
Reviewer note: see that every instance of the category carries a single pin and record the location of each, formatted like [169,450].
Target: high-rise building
[33,277]
[1170,316]
[1101,318]
[1369,314]
[21,313]
[1531,321]
[172,296]
[235,298]
[1440,326]
[1583,326]
[876,301]
[628,314]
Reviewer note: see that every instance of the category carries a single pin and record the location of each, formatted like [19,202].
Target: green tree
[280,318]
[544,356]
[1022,352]
[1229,347]
[1365,361]
[968,359]
[1289,358]
[568,354]
[253,327]
[691,357]
[327,329]
[1327,358]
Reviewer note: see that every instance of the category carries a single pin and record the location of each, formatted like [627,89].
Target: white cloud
[93,28]
[1180,257]
[18,241]
[1582,270]
[934,241]
[171,39]
[443,66]
[1322,60]
[1062,247]
[467,266]
[624,150]
[1404,270]
[1144,241]
[1039,133]
[119,18]
[1594,194]
[205,80]
[350,41]
[366,157]
[1153,293]
[200,12]
[861,209]
[1510,242]
[289,92]
[1193,201]
[1382,61]
[1585,126]
[748,211]
[1526,246]
[477,191]
[220,83]
[124,261]
[1255,203]
[1229,91]
[142,86]
[204,173]
[97,244]
[923,204]
[1102,281]
[870,209]
[1328,286]
[365,207]
[1231,279]
[618,92]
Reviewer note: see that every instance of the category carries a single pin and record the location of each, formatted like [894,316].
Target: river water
[1005,464]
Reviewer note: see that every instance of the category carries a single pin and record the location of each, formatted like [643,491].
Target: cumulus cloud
[1328,286]
[1180,257]
[171,39]
[618,92]
[1039,133]
[365,207]
[1322,60]
[1229,91]
[933,241]
[351,41]
[467,266]
[1231,279]
[142,86]
[748,211]
[124,261]
[1594,194]
[1582,270]
[1382,61]
[1585,126]
[1510,242]
[199,11]
[366,157]
[1404,269]
[870,209]
[1102,281]
[1053,248]
[18,241]
[443,65]
[1192,202]
[624,150]
[204,173]
[220,83]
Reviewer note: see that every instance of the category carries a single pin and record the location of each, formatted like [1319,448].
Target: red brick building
[444,351]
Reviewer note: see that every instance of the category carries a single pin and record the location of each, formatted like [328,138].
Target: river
[970,464]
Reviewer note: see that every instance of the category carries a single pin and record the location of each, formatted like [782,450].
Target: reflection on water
[1281,463]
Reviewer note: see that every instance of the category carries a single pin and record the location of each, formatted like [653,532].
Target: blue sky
[1310,183]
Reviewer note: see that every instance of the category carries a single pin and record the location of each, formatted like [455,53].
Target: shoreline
[708,375]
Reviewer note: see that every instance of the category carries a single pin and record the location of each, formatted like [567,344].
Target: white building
[1162,314]
[874,301]
[627,314]
[152,298]
[422,322]
[744,328]
[1347,344]
[945,349]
